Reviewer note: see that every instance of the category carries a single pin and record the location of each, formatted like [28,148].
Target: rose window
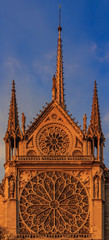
[54,203]
[53,140]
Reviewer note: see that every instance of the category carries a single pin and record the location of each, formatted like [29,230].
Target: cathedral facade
[56,184]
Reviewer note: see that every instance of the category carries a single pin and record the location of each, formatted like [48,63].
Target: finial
[59,28]
[95,83]
[95,86]
[59,15]
[23,123]
[85,123]
[13,84]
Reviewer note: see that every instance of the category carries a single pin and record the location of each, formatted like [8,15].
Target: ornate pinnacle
[13,121]
[95,122]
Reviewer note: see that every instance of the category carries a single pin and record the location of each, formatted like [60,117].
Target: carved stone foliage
[53,202]
[24,177]
[84,176]
[53,139]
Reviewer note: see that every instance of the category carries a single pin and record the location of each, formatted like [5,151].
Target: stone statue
[12,187]
[96,187]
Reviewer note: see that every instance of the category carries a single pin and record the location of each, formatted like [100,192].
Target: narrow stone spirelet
[95,122]
[13,121]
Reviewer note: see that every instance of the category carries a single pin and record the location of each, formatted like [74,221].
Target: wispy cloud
[71,68]
[106,118]
[107,136]
[104,58]
[12,62]
[101,54]
[50,55]
[93,47]
[45,71]
[45,67]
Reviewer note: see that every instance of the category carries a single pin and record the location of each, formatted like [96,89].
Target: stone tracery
[53,140]
[54,202]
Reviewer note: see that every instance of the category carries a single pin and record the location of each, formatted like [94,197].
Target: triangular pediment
[54,133]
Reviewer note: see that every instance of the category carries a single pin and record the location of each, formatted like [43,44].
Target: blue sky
[28,44]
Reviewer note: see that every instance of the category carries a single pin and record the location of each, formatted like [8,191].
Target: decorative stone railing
[55,158]
[61,237]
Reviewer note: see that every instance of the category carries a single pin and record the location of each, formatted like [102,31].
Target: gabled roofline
[45,112]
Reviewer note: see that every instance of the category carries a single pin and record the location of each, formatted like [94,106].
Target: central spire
[59,86]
